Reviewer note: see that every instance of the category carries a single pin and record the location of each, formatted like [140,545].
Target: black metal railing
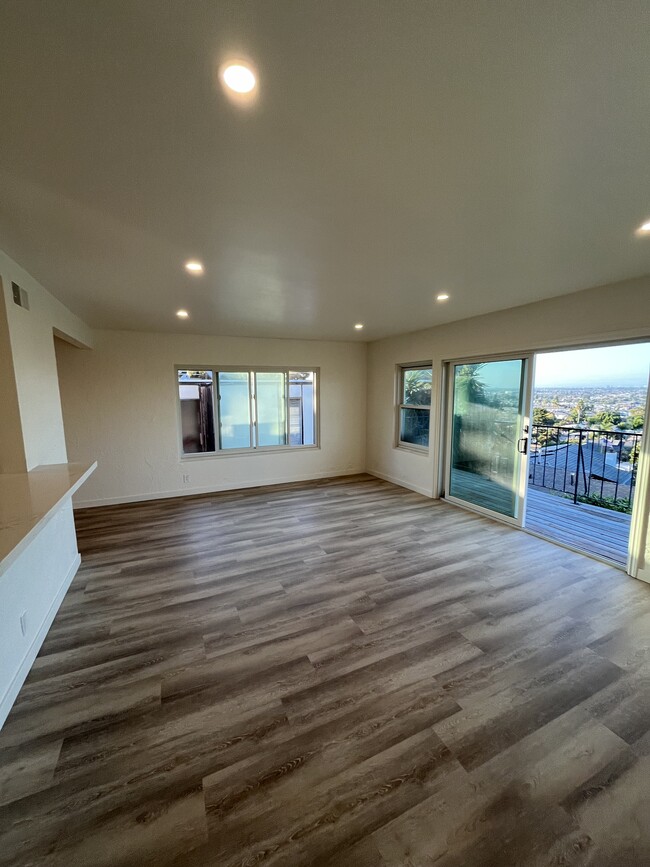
[592,465]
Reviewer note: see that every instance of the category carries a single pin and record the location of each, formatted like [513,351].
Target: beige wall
[31,338]
[607,313]
[120,408]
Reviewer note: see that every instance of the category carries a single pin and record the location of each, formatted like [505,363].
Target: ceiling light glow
[442,296]
[359,326]
[182,314]
[644,227]
[239,78]
[194,267]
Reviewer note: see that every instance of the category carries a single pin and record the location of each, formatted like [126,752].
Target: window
[223,410]
[235,418]
[414,405]
[196,392]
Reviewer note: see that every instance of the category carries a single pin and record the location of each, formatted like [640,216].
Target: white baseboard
[427,492]
[643,575]
[212,489]
[20,676]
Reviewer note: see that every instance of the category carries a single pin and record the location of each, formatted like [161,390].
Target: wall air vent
[21,298]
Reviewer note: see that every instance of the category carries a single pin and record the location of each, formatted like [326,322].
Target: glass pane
[234,410]
[486,425]
[301,408]
[414,426]
[196,392]
[271,409]
[417,386]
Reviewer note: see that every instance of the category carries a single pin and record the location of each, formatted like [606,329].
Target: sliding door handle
[523,450]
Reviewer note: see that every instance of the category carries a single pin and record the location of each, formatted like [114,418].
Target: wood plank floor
[601,532]
[334,673]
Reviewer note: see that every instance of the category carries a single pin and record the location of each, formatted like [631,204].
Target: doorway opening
[588,419]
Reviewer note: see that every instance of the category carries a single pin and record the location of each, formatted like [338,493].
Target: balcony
[581,488]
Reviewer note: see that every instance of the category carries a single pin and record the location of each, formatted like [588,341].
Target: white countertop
[27,500]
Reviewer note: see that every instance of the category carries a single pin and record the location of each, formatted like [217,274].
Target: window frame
[251,370]
[400,405]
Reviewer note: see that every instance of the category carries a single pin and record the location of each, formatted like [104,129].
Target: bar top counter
[28,500]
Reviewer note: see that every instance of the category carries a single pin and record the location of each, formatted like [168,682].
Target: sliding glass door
[488,435]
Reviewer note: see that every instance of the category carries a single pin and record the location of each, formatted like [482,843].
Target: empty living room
[324,463]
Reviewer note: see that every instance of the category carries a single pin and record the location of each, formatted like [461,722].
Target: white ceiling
[495,149]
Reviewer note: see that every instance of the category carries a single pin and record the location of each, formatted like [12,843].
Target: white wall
[607,313]
[31,433]
[120,408]
[34,363]
[34,586]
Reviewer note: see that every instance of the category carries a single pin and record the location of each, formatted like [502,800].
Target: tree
[470,388]
[473,415]
[633,457]
[543,416]
[636,418]
[580,411]
[607,419]
[546,420]
[417,386]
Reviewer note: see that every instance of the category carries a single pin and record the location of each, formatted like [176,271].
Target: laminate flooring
[339,673]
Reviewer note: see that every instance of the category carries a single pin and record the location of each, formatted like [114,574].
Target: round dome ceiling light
[239,78]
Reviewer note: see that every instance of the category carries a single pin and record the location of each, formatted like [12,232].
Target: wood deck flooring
[601,532]
[338,673]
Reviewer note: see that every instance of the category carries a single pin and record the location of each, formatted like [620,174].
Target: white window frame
[399,379]
[252,382]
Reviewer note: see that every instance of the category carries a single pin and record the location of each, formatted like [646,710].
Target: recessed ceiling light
[359,326]
[442,296]
[239,78]
[194,267]
[182,314]
[644,227]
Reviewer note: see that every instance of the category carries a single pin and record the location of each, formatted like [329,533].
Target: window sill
[238,453]
[415,450]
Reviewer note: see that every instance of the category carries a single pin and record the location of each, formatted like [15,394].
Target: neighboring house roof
[594,461]
[184,379]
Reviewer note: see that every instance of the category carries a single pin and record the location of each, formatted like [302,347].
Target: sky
[501,374]
[606,366]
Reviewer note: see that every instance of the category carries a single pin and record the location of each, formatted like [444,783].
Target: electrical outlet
[186,478]
[23,623]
